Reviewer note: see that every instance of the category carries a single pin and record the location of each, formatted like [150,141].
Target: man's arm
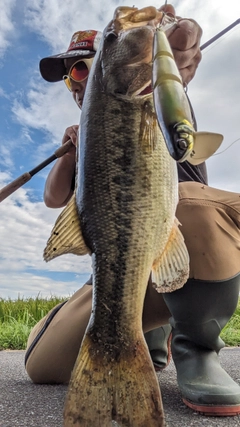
[58,187]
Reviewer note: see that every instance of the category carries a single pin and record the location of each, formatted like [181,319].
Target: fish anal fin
[171,269]
[66,236]
[122,391]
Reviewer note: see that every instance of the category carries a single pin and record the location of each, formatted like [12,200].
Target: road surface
[29,405]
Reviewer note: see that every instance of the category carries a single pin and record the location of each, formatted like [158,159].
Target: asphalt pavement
[25,404]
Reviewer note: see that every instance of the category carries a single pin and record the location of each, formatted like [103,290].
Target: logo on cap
[83,40]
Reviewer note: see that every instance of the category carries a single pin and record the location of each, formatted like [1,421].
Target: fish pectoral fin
[148,129]
[171,270]
[205,145]
[66,236]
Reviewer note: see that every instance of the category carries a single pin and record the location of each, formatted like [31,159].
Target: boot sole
[214,411]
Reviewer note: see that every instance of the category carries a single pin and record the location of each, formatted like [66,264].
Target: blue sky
[34,115]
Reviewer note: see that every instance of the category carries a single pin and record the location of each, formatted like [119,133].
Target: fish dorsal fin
[205,145]
[171,270]
[66,236]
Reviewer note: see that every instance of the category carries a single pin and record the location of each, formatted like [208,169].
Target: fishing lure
[173,109]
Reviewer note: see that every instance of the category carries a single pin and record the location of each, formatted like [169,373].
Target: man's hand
[71,133]
[185,44]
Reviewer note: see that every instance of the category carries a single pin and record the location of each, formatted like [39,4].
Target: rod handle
[14,185]
[63,149]
[21,180]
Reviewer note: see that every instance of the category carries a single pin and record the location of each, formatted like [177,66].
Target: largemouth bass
[123,214]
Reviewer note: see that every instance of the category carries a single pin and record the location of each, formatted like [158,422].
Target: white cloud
[25,225]
[212,16]
[27,285]
[4,178]
[5,156]
[42,111]
[49,108]
[212,91]
[3,93]
[215,96]
[7,24]
[67,16]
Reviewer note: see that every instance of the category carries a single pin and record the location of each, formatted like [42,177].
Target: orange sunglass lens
[79,72]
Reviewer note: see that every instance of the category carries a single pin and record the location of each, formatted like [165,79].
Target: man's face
[77,88]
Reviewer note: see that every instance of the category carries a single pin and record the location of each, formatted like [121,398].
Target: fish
[172,106]
[122,214]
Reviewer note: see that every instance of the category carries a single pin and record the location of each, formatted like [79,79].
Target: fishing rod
[23,179]
[220,34]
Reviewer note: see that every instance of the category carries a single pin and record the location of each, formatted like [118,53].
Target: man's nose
[76,87]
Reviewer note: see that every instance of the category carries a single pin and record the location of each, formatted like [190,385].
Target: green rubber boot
[159,343]
[200,310]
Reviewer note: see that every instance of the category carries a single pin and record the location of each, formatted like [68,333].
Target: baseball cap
[83,43]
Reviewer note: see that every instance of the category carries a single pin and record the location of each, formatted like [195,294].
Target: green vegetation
[231,333]
[18,317]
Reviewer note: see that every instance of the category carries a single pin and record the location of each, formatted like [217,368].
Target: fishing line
[223,151]
[208,43]
[217,36]
[220,152]
[220,41]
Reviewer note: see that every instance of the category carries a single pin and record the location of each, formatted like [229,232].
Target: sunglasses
[78,72]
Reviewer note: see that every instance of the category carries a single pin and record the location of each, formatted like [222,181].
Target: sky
[35,114]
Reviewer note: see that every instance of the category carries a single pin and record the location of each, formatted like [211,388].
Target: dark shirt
[188,172]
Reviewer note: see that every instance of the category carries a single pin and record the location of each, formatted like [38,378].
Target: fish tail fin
[109,390]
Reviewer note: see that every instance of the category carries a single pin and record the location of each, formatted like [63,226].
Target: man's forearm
[58,187]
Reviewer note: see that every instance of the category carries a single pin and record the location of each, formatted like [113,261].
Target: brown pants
[210,221]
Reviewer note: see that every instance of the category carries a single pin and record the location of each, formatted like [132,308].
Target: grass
[231,333]
[17,318]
